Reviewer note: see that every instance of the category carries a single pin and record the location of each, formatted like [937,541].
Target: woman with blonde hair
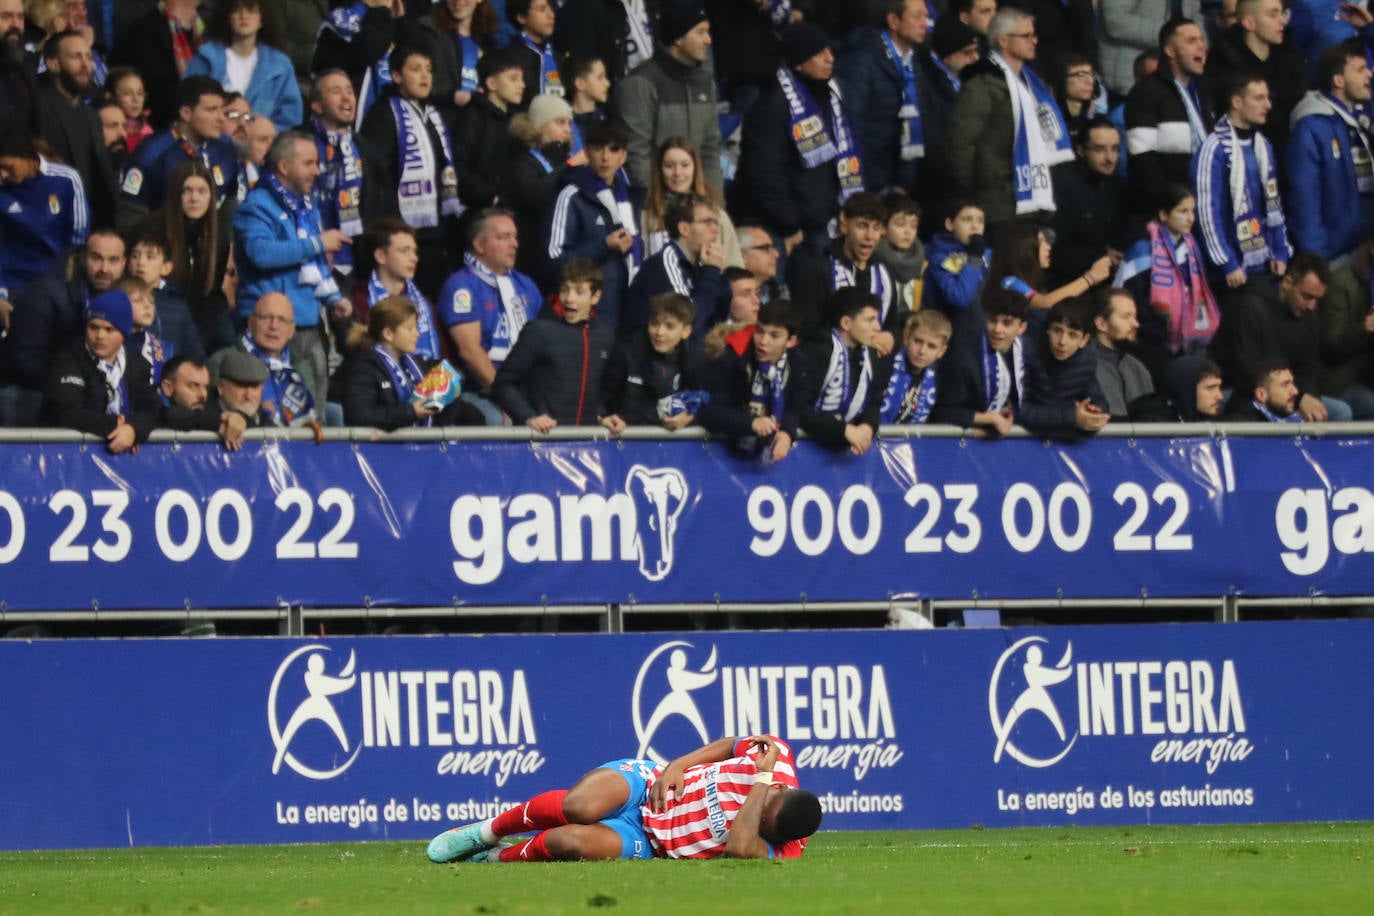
[677,170]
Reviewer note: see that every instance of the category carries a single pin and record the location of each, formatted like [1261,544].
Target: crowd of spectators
[765,217]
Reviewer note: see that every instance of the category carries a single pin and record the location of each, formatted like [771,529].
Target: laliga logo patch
[681,680]
[659,495]
[316,706]
[1022,676]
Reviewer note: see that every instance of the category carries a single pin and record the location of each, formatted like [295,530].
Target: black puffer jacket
[555,368]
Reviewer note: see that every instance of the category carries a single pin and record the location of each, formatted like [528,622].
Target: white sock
[488,835]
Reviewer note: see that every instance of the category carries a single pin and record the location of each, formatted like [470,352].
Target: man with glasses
[761,259]
[1090,219]
[288,385]
[690,264]
[1006,132]
[1255,45]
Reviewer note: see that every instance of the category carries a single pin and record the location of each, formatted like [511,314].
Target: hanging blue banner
[185,742]
[509,523]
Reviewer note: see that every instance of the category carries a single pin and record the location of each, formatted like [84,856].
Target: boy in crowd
[1071,368]
[594,218]
[996,380]
[900,250]
[96,385]
[849,261]
[553,374]
[846,396]
[145,340]
[651,366]
[913,383]
[957,271]
[757,386]
[744,295]
[150,260]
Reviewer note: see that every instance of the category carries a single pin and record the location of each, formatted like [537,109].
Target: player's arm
[671,777]
[743,840]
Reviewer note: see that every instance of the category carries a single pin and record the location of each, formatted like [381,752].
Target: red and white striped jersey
[697,821]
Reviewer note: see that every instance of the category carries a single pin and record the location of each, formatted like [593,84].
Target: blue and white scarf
[347,23]
[315,272]
[339,189]
[285,395]
[814,143]
[778,13]
[1041,141]
[1250,223]
[421,202]
[116,392]
[841,395]
[904,402]
[514,311]
[1192,104]
[767,387]
[953,77]
[405,375]
[550,82]
[1272,417]
[913,137]
[844,274]
[429,337]
[615,198]
[996,380]
[639,42]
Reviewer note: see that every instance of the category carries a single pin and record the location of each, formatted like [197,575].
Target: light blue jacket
[269,254]
[272,91]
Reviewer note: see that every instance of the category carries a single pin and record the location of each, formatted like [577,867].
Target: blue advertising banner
[502,523]
[183,742]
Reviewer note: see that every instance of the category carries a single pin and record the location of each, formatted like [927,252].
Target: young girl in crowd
[677,170]
[190,221]
[380,380]
[126,88]
[1166,274]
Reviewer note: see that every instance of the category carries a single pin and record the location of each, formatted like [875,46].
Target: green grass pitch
[1301,868]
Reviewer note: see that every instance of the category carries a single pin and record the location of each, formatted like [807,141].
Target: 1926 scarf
[1041,141]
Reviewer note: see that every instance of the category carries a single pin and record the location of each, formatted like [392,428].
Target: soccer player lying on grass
[734,797]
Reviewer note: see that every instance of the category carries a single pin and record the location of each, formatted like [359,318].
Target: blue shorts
[634,841]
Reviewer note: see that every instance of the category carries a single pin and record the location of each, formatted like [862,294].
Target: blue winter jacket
[269,255]
[1322,192]
[272,91]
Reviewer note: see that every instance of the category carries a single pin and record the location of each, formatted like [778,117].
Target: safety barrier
[455,522]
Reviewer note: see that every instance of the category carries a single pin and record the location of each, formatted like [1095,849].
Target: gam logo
[305,725]
[1021,707]
[639,524]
